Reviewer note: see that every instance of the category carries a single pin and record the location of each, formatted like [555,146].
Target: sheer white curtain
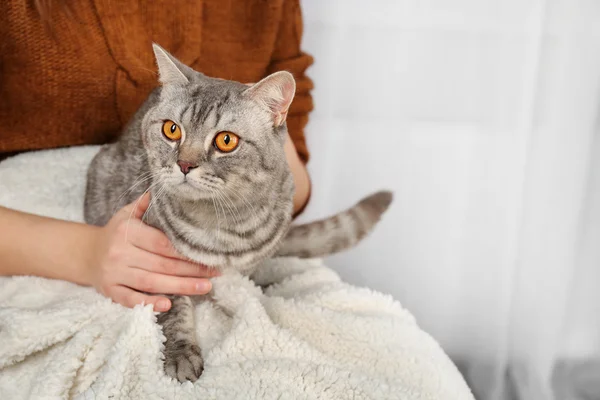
[482,116]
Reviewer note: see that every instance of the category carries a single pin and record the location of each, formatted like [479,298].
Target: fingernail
[215,272]
[162,305]
[203,287]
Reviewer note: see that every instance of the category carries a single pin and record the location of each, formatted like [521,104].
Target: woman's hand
[132,257]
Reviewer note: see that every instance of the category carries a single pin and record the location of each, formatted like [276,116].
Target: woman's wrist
[69,251]
[85,260]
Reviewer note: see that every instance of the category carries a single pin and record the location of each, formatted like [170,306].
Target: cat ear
[170,70]
[275,93]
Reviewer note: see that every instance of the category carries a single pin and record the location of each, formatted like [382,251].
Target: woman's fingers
[130,298]
[151,282]
[154,241]
[169,266]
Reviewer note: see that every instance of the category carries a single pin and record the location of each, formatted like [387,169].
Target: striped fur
[233,210]
[337,233]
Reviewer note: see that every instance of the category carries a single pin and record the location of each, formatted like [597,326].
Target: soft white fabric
[309,335]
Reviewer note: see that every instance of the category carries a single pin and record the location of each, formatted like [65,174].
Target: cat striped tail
[336,233]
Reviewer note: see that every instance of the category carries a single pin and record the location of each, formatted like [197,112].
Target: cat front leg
[183,360]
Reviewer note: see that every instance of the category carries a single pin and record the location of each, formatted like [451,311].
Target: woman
[74,72]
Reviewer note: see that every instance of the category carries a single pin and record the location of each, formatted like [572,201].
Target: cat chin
[190,191]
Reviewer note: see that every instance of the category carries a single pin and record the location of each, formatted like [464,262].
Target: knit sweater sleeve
[288,56]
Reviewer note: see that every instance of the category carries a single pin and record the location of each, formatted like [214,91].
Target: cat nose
[186,166]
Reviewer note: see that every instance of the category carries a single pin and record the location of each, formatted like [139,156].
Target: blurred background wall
[482,117]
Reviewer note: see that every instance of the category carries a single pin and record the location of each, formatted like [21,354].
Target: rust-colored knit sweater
[78,77]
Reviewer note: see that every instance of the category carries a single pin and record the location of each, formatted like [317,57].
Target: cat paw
[185,365]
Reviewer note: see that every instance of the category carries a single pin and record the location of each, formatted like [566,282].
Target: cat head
[208,137]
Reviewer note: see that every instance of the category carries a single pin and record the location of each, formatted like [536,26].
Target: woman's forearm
[301,178]
[40,246]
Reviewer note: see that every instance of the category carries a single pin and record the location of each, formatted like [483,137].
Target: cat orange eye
[226,141]
[171,130]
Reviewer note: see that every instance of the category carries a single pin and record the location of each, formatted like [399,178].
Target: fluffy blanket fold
[308,335]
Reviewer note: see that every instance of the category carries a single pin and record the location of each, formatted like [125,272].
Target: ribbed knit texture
[79,78]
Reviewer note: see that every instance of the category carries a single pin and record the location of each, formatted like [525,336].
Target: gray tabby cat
[210,151]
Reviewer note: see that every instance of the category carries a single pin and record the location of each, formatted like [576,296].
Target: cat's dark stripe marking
[184,111]
[220,107]
[263,163]
[217,115]
[196,93]
[198,115]
[195,111]
[359,226]
[207,112]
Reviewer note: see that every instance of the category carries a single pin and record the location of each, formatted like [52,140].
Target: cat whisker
[232,207]
[228,205]
[139,180]
[220,204]
[218,221]
[154,200]
[242,198]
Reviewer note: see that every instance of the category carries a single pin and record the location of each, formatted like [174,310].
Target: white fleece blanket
[308,336]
